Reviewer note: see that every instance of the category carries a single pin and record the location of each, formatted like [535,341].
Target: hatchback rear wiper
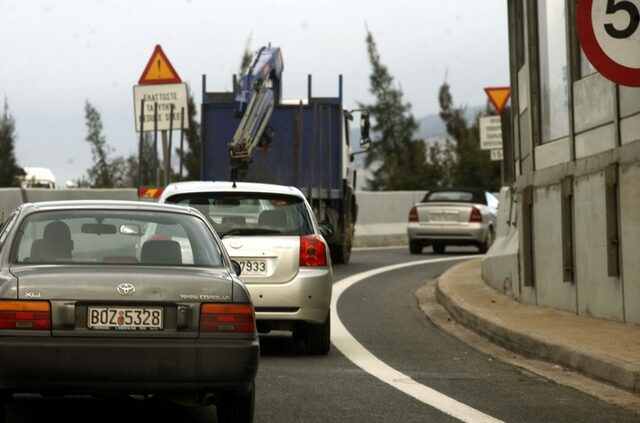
[249,231]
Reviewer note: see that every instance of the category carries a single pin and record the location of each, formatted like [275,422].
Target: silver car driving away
[453,216]
[91,304]
[272,232]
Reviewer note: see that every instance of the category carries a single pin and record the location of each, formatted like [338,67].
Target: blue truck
[253,135]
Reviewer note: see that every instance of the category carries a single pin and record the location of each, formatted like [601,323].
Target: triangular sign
[498,96]
[159,70]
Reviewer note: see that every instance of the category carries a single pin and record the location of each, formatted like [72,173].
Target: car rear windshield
[251,213]
[455,196]
[116,237]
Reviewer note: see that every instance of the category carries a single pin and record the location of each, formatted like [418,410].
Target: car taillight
[313,251]
[227,318]
[476,216]
[413,215]
[25,315]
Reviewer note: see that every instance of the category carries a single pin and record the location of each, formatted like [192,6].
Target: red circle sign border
[610,69]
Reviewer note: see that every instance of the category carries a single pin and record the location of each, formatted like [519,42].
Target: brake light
[238,318]
[25,315]
[476,216]
[313,251]
[413,215]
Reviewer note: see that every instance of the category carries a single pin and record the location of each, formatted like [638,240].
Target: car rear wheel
[484,247]
[317,339]
[439,248]
[232,407]
[415,247]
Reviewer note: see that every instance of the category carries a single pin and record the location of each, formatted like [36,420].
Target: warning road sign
[498,96]
[159,70]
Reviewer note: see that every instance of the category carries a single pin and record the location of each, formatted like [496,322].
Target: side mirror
[236,267]
[326,229]
[130,229]
[365,126]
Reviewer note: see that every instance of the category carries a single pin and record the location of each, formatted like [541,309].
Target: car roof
[105,204]
[228,186]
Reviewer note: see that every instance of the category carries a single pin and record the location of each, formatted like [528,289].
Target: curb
[524,342]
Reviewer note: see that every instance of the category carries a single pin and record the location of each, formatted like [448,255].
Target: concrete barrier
[382,215]
[10,198]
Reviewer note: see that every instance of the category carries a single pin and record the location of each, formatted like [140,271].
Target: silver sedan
[453,216]
[86,307]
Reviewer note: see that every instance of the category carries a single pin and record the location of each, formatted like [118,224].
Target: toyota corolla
[90,305]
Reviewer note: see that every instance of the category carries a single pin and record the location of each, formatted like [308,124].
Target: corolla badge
[126,289]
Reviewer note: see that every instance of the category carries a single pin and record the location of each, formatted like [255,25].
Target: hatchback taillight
[313,251]
[227,318]
[25,315]
[413,215]
[476,216]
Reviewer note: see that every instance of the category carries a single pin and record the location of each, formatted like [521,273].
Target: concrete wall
[383,216]
[10,198]
[500,265]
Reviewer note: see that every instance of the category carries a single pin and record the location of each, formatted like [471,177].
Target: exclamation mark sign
[159,63]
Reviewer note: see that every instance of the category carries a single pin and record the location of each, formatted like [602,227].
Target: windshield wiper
[250,231]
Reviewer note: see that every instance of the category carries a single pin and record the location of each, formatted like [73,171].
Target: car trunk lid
[168,298]
[265,259]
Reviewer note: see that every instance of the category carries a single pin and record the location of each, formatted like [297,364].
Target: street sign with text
[490,133]
[162,95]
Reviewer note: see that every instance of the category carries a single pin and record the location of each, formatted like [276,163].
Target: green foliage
[10,172]
[191,155]
[245,62]
[147,174]
[106,172]
[469,166]
[396,160]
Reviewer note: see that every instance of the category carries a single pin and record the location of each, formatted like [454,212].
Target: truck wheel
[415,247]
[317,340]
[234,408]
[341,253]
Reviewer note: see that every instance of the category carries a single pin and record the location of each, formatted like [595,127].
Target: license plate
[444,217]
[253,267]
[125,318]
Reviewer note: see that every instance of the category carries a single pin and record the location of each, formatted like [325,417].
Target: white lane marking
[361,357]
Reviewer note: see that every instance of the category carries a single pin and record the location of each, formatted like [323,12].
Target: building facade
[570,215]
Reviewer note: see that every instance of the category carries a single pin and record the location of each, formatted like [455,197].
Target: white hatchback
[272,232]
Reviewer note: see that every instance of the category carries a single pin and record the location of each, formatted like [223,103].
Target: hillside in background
[430,129]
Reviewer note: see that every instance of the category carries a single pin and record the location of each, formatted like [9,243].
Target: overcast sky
[54,55]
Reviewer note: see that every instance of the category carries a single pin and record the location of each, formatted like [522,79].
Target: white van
[38,177]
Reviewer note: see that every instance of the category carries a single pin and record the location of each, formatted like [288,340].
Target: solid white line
[361,357]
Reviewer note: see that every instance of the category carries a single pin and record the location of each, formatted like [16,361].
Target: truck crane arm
[255,102]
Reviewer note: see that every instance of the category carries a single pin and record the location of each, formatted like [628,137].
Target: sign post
[158,95]
[609,32]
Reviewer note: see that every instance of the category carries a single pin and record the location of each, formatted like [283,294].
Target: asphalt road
[382,315]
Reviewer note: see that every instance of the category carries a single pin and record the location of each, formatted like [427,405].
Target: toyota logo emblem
[126,289]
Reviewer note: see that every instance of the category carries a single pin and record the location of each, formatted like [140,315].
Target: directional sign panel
[609,32]
[490,133]
[164,96]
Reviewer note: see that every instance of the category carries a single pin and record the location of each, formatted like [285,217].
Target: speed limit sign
[609,32]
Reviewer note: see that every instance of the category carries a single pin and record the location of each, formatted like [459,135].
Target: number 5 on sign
[609,32]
